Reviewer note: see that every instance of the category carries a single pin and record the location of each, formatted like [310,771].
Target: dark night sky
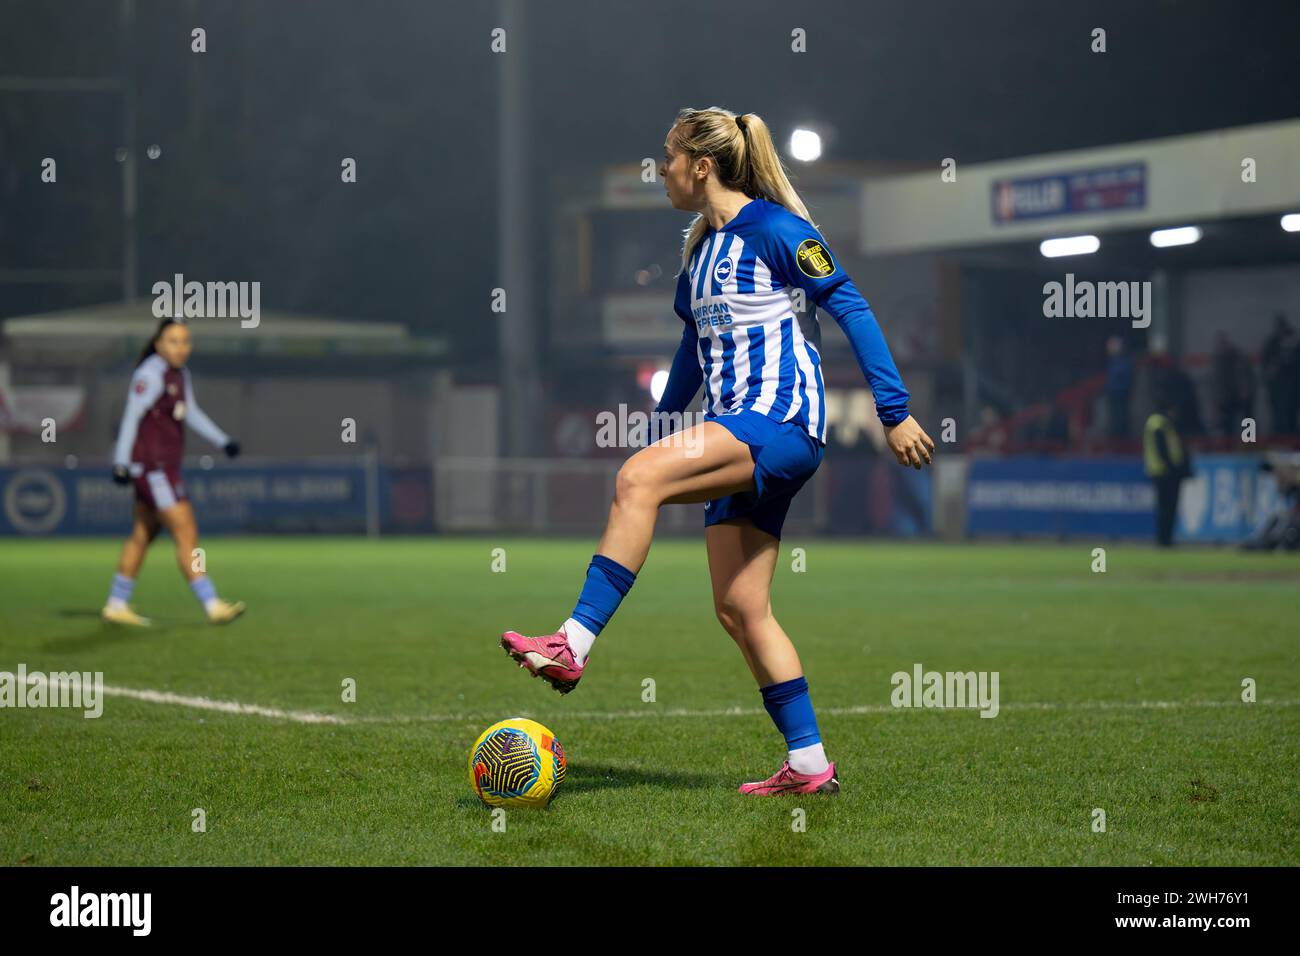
[252,132]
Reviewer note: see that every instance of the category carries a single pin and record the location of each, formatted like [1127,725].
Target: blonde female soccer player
[150,443]
[749,248]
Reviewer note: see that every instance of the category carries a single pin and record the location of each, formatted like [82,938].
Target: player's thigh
[742,560]
[145,523]
[697,464]
[179,520]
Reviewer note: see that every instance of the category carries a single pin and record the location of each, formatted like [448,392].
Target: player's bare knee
[634,485]
[752,616]
[731,617]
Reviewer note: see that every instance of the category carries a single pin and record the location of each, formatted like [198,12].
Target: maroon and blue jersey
[159,405]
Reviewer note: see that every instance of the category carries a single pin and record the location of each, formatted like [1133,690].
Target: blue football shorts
[785,456]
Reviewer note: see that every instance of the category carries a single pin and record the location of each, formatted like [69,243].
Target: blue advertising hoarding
[1225,500]
[42,500]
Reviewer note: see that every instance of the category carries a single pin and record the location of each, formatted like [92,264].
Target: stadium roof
[1227,174]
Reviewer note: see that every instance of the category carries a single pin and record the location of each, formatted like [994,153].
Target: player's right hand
[121,475]
[909,443]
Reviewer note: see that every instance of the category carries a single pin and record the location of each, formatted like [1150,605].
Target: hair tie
[740,124]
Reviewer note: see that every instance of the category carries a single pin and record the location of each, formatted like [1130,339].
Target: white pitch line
[313,717]
[207,703]
[857,710]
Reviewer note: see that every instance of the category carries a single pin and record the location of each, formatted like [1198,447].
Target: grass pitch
[1119,691]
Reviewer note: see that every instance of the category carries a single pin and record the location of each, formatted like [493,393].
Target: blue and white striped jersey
[737,299]
[737,292]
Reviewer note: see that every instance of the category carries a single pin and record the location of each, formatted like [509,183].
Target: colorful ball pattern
[516,763]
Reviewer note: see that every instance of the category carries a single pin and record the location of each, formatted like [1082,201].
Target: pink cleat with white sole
[786,781]
[548,657]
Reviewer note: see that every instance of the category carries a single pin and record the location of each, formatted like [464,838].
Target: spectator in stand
[1232,386]
[1119,387]
[1171,385]
[1279,360]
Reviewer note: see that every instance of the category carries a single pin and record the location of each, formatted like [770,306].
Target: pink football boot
[548,657]
[786,781]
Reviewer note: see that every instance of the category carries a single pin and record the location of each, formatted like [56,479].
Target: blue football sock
[203,589]
[122,588]
[607,584]
[790,708]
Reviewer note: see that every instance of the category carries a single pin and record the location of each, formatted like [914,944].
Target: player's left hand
[232,449]
[909,443]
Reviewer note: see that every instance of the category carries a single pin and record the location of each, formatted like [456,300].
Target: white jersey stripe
[715,378]
[734,252]
[771,368]
[741,337]
[811,380]
[719,247]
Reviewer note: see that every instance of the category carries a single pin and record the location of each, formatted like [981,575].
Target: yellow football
[516,763]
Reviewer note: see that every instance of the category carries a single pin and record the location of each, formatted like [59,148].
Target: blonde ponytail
[745,159]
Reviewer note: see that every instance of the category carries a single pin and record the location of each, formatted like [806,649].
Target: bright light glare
[1291,222]
[1182,236]
[1069,246]
[805,145]
[658,382]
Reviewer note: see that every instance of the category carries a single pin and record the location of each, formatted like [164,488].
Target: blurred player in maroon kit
[148,453]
